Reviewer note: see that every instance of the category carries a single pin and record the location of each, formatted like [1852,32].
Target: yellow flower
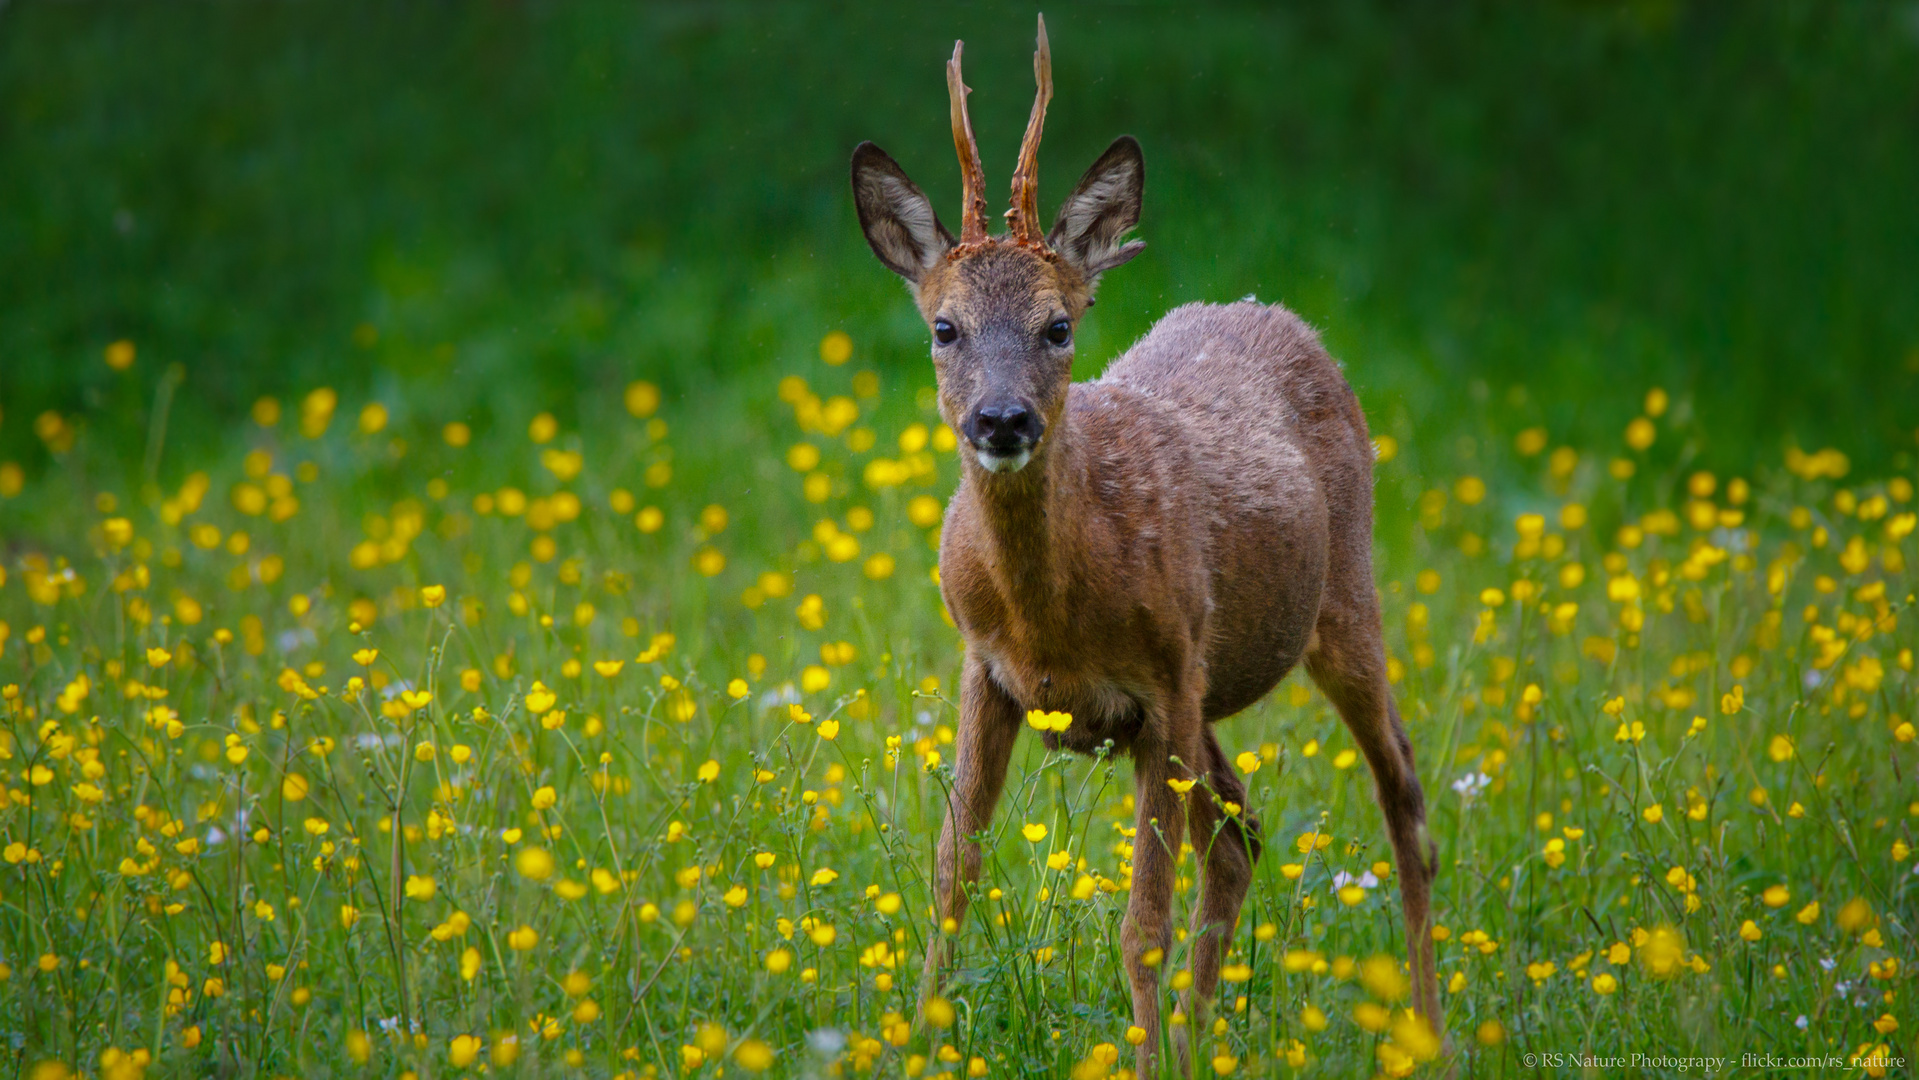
[365,657]
[753,1056]
[420,887]
[539,699]
[1041,720]
[1640,433]
[432,595]
[708,772]
[158,657]
[824,876]
[1180,787]
[938,1012]
[462,1051]
[829,729]
[534,864]
[1809,914]
[1776,896]
[737,688]
[1555,853]
[1035,832]
[544,798]
[1653,814]
[1856,915]
[1248,762]
[1604,984]
[608,668]
[735,896]
[524,939]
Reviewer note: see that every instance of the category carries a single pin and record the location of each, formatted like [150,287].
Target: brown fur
[1188,528]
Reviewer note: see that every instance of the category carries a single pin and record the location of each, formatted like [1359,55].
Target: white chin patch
[1003,463]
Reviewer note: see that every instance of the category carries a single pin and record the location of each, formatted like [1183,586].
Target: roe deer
[1150,552]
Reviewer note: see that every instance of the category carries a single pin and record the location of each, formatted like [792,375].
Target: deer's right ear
[896,215]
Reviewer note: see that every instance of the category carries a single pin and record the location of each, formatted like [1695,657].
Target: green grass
[533,205]
[1512,225]
[1775,611]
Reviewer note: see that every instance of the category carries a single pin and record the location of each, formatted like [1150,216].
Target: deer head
[1002,309]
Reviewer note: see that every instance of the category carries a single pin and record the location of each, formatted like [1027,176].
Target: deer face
[1002,321]
[1002,310]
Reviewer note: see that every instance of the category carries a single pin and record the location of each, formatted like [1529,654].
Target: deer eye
[944,332]
[1060,332]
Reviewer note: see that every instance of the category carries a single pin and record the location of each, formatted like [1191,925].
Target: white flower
[784,694]
[1802,1023]
[826,1042]
[1365,880]
[1471,785]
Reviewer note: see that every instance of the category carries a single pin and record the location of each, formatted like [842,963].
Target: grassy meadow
[468,586]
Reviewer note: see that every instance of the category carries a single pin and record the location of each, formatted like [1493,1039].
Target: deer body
[1176,511]
[1150,552]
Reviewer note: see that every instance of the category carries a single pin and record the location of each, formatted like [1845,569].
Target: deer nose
[1004,428]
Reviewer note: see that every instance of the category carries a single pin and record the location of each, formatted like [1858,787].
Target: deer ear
[1101,209]
[896,215]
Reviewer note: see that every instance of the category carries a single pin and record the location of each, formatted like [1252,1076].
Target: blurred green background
[479,211]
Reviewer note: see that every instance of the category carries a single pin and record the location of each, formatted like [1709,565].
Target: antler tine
[1023,218]
[972,177]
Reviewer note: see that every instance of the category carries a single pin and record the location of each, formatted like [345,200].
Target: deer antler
[1023,219]
[972,177]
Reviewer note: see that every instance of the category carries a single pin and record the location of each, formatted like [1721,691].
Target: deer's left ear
[1097,215]
[896,215]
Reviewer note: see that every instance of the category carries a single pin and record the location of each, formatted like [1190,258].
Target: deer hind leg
[1228,845]
[1349,666]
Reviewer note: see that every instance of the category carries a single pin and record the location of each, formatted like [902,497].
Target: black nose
[1004,427]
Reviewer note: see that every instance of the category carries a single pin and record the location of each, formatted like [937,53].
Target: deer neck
[1032,524]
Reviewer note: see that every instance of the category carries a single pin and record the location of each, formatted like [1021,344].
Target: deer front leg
[988,727]
[1146,938]
[1226,845]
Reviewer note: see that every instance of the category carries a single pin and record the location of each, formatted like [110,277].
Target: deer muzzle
[1004,434]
